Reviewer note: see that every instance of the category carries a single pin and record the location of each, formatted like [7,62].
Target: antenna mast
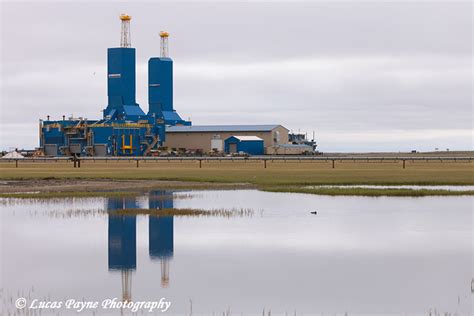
[125,40]
[164,44]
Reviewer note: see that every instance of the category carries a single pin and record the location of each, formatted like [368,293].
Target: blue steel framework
[124,130]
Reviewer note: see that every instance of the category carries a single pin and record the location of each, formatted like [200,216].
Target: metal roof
[221,128]
[171,116]
[13,155]
[246,138]
[133,110]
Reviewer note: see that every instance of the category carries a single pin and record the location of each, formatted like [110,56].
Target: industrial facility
[211,138]
[125,129]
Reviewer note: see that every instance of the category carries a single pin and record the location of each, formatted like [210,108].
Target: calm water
[358,255]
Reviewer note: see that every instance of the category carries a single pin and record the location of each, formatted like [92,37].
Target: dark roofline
[223,128]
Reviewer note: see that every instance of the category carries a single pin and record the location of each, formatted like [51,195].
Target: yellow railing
[127,147]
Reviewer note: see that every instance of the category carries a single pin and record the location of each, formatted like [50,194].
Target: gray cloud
[364,76]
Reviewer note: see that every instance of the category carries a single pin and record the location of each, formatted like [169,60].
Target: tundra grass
[252,172]
[68,194]
[286,189]
[185,212]
[277,177]
[369,191]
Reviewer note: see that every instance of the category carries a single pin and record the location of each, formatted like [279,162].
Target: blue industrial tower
[124,130]
[160,86]
[121,85]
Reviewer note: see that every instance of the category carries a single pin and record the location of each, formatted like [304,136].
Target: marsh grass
[91,194]
[68,194]
[276,173]
[277,177]
[143,212]
[368,191]
[336,191]
[242,212]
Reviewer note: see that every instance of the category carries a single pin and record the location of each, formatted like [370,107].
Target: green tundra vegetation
[287,176]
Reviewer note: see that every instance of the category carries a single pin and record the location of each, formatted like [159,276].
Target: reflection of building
[123,237]
[160,199]
[161,233]
[122,242]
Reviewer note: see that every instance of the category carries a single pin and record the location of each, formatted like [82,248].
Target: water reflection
[338,260]
[122,240]
[160,233]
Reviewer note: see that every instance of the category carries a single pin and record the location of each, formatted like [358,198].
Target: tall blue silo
[121,85]
[160,87]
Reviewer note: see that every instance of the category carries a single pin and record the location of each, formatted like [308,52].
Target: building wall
[252,147]
[203,140]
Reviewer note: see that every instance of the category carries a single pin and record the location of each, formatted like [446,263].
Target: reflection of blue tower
[161,237]
[119,203]
[161,233]
[122,242]
[160,199]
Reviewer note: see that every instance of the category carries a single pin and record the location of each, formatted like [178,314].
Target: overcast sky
[365,76]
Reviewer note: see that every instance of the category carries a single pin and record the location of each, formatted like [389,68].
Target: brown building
[209,137]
